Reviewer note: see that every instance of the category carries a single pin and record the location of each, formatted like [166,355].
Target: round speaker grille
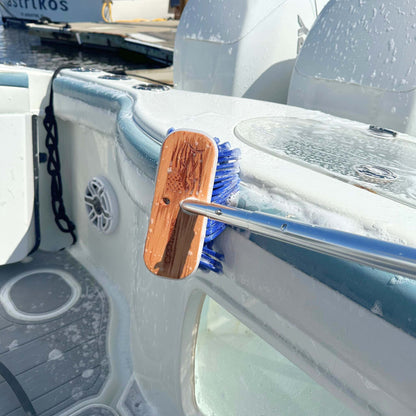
[102,206]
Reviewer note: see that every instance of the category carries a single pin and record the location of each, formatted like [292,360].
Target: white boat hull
[81,11]
[335,321]
[285,329]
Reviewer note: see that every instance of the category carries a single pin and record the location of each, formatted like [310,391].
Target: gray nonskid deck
[62,360]
[96,411]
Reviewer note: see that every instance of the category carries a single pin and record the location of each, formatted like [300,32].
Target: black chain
[54,167]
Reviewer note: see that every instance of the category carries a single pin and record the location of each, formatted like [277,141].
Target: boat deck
[155,40]
[53,329]
[96,411]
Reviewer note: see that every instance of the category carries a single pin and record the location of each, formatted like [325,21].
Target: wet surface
[383,164]
[96,411]
[18,46]
[62,360]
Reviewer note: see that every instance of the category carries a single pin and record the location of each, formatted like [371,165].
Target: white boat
[66,11]
[314,312]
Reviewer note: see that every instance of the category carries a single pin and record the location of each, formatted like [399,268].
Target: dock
[154,75]
[154,39]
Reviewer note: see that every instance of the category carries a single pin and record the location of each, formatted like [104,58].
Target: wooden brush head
[186,170]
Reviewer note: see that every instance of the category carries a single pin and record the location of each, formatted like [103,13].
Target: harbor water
[18,46]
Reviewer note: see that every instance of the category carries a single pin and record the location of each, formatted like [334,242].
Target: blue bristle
[213,253]
[210,263]
[214,229]
[226,184]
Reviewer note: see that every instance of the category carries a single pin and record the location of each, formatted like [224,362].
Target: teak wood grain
[174,240]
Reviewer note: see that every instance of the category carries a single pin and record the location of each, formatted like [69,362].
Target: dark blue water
[18,46]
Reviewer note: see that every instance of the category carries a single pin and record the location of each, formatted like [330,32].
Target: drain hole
[375,174]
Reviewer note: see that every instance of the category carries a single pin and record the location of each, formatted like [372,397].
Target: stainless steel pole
[371,252]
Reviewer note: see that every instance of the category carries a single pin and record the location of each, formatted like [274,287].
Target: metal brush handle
[371,252]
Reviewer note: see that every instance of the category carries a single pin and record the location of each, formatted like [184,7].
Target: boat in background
[314,312]
[216,57]
[67,11]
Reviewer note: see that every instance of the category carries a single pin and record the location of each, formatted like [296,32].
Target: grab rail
[371,252]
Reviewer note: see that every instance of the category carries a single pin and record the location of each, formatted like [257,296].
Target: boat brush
[193,167]
[195,180]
